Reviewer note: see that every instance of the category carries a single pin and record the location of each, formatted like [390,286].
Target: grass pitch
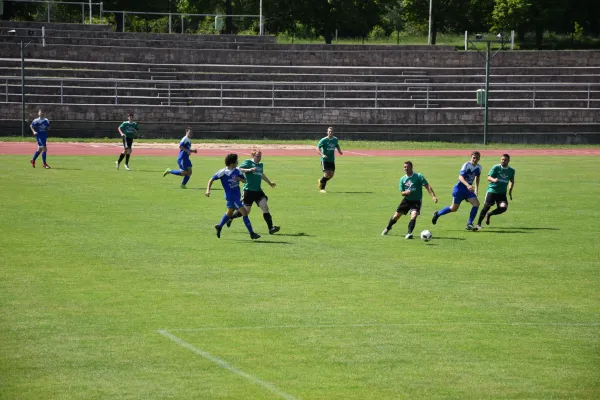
[114,285]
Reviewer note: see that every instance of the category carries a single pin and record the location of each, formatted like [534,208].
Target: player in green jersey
[253,171]
[326,149]
[411,188]
[501,177]
[127,130]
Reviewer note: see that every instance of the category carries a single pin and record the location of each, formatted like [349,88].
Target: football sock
[484,211]
[127,159]
[175,171]
[411,225]
[224,220]
[236,214]
[472,215]
[185,179]
[498,211]
[246,220]
[392,222]
[35,155]
[443,211]
[324,182]
[121,157]
[268,219]
[44,157]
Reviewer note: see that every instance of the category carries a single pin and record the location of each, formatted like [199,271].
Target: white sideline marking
[360,154]
[228,367]
[233,328]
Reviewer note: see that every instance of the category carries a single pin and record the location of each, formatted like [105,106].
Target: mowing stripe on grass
[228,367]
[275,327]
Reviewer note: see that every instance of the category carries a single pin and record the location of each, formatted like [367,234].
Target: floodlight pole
[430,12]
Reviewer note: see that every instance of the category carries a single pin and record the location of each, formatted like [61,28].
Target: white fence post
[466,40]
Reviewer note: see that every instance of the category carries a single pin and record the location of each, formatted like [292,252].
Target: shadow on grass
[295,234]
[522,228]
[260,241]
[447,238]
[352,192]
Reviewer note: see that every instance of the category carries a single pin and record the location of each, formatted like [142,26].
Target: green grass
[97,262]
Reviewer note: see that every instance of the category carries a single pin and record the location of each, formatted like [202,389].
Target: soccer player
[230,178]
[326,149]
[127,130]
[411,188]
[464,190]
[253,170]
[500,177]
[39,127]
[183,160]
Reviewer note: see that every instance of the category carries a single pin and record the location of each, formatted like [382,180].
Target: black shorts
[497,198]
[251,196]
[127,142]
[408,205]
[327,166]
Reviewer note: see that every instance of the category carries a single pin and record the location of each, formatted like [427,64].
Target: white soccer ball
[426,235]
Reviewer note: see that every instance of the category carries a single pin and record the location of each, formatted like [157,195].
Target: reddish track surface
[104,149]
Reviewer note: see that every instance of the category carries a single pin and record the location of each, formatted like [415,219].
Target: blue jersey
[230,181]
[186,143]
[469,172]
[41,125]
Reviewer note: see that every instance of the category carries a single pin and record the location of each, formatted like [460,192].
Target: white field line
[360,154]
[442,324]
[272,388]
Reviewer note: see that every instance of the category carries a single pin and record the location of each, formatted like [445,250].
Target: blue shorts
[41,139]
[184,163]
[460,195]
[234,202]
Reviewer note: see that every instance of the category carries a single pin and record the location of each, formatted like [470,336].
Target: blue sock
[224,220]
[473,214]
[35,155]
[176,171]
[44,157]
[443,211]
[185,179]
[247,223]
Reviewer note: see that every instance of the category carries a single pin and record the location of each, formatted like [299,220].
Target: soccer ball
[426,235]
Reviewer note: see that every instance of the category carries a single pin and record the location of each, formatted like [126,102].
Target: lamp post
[430,12]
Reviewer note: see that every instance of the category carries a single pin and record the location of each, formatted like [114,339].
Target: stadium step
[172,94]
[422,96]
[425,105]
[416,80]
[414,73]
[417,89]
[167,86]
[174,103]
[163,77]
[161,70]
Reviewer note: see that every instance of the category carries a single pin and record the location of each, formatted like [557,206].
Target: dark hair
[231,159]
[476,153]
[189,128]
[506,156]
[408,163]
[130,115]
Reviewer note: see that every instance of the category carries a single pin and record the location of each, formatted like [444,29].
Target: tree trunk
[539,37]
[228,20]
[433,32]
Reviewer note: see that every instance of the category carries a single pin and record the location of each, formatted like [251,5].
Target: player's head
[504,160]
[130,116]
[408,167]
[188,131]
[475,157]
[40,113]
[330,132]
[256,154]
[231,160]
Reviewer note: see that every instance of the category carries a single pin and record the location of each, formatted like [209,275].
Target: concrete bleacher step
[414,73]
[162,70]
[163,77]
[416,80]
[167,86]
[416,89]
[172,94]
[173,103]
[425,105]
[422,97]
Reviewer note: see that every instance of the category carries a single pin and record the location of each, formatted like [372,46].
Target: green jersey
[253,179]
[504,176]
[415,184]
[128,129]
[328,147]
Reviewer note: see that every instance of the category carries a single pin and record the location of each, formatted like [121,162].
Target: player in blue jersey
[230,178]
[465,190]
[183,160]
[40,127]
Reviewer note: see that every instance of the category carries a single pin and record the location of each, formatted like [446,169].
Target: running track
[143,149]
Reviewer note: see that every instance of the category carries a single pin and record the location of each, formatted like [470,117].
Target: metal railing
[49,5]
[300,94]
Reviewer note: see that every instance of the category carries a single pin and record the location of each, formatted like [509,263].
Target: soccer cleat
[127,167]
[408,236]
[183,186]
[274,229]
[46,166]
[117,164]
[470,227]
[487,218]
[435,218]
[229,221]
[385,232]
[323,191]
[319,184]
[254,236]
[167,172]
[218,228]
[478,228]
[32,163]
